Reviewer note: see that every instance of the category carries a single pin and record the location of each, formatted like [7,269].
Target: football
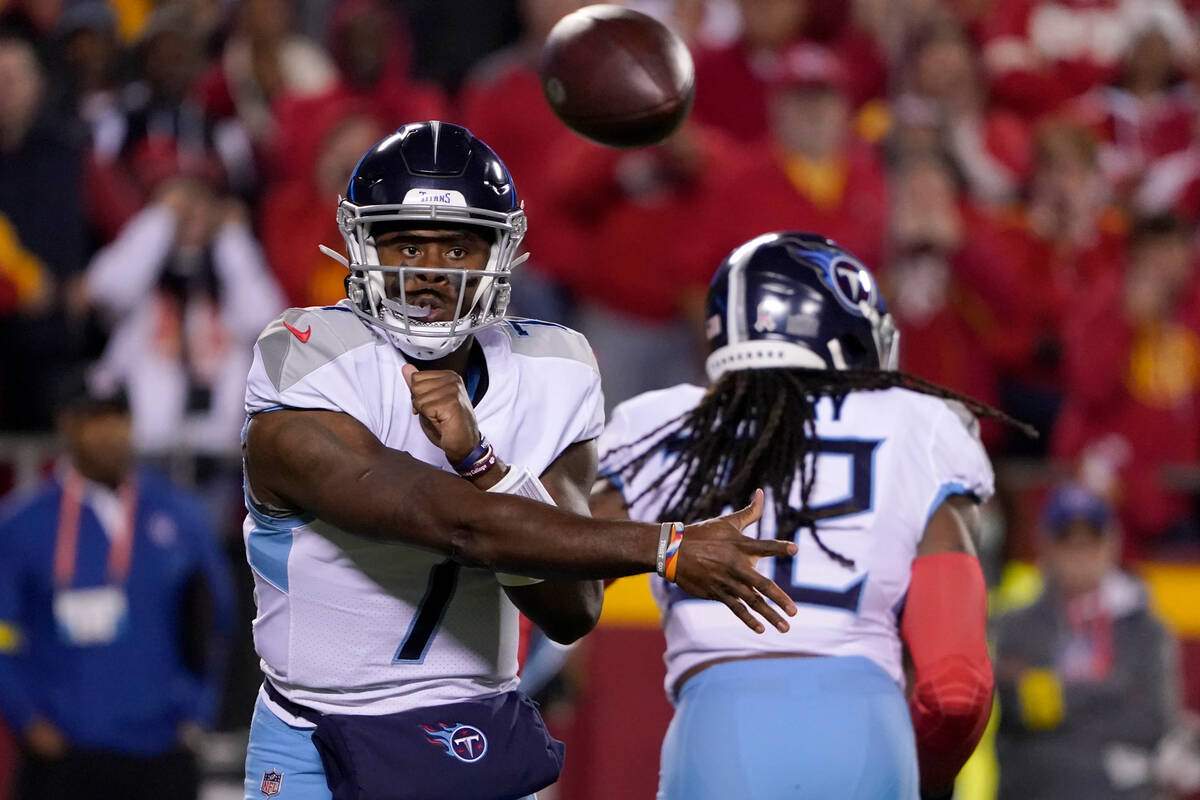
[617,76]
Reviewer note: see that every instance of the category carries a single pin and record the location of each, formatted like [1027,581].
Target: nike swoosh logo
[301,335]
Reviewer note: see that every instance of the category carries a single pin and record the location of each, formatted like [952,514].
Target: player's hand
[447,416]
[716,562]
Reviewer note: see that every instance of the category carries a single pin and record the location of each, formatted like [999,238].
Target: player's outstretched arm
[944,629]
[328,464]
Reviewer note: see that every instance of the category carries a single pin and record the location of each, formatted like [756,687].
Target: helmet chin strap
[416,345]
[425,348]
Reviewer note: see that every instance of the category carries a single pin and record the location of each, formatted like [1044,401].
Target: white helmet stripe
[735,313]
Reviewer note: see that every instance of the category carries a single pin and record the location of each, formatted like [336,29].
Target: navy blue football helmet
[436,173]
[797,300]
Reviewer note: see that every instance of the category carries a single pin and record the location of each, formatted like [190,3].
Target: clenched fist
[447,416]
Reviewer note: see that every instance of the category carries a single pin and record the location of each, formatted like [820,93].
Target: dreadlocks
[743,435]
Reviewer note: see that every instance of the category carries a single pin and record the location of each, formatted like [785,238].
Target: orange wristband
[671,561]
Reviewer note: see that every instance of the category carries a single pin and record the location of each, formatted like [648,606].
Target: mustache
[442,292]
[426,291]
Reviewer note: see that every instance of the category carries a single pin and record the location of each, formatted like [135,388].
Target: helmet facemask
[483,295]
[885,334]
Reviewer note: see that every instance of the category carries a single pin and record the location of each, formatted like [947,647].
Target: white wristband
[521,482]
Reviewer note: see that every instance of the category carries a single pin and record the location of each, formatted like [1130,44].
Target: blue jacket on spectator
[162,667]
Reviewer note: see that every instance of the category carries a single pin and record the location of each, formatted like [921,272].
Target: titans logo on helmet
[852,282]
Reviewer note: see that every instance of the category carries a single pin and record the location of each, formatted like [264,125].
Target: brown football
[617,76]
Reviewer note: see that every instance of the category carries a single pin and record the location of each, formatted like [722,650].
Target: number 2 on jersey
[443,579]
[860,499]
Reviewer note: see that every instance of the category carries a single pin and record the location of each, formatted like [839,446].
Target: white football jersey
[347,624]
[888,460]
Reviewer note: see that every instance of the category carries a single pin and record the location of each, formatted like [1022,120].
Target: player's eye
[457,252]
[410,251]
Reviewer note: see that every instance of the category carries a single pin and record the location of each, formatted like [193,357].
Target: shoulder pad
[969,420]
[534,338]
[302,340]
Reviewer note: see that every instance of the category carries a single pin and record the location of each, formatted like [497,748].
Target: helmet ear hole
[853,351]
[357,292]
[503,296]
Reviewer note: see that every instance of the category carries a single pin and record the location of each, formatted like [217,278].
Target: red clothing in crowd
[759,197]
[112,195]
[502,104]
[1032,288]
[293,220]
[732,82]
[1135,394]
[298,139]
[230,89]
[944,349]
[1185,198]
[1137,133]
[1042,53]
[394,96]
[638,257]
[950,343]
[1008,139]
[295,215]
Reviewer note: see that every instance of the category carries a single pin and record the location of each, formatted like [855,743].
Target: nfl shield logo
[272,780]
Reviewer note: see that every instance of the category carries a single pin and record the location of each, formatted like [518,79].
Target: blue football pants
[790,728]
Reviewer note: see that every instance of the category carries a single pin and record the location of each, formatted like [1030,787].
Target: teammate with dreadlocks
[876,477]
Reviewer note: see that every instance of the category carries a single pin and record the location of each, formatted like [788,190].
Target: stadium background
[1020,173]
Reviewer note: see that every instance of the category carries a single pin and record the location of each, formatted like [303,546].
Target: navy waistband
[295,709]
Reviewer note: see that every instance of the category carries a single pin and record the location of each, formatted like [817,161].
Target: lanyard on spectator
[66,544]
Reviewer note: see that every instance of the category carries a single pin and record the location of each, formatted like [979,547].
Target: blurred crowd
[1022,175]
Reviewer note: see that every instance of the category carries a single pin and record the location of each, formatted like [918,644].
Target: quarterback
[417,467]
